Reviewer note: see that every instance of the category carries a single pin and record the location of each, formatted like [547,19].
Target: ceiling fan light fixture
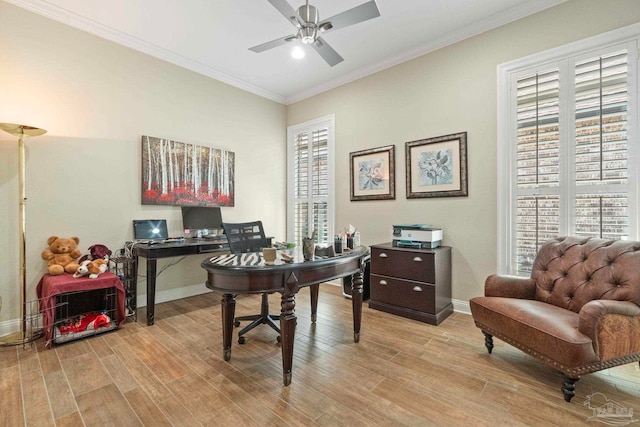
[306,19]
[307,34]
[297,52]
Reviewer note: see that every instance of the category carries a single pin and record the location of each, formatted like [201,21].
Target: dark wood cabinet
[414,283]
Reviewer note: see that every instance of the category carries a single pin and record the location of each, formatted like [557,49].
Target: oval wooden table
[247,274]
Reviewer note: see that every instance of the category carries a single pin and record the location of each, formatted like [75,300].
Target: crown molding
[63,16]
[58,14]
[482,26]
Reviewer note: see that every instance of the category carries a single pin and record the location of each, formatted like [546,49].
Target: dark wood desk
[247,273]
[166,250]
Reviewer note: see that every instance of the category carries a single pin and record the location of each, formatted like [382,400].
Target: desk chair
[250,237]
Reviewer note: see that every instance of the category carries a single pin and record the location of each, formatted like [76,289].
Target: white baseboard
[184,292]
[9,326]
[461,306]
[13,325]
[174,294]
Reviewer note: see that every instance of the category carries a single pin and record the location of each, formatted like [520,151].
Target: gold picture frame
[373,174]
[437,167]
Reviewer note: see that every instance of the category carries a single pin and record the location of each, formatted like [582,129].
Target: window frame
[564,58]
[327,122]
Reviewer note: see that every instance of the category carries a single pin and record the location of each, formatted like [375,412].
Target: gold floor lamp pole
[21,131]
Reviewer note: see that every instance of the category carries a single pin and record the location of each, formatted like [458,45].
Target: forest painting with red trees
[175,173]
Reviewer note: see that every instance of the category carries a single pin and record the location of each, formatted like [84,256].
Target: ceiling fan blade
[273,43]
[327,52]
[286,10]
[352,16]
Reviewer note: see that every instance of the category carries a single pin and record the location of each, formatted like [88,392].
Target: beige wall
[96,99]
[451,90]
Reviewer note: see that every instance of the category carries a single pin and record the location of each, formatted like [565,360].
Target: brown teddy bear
[62,255]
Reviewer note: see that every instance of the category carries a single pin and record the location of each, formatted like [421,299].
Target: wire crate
[84,313]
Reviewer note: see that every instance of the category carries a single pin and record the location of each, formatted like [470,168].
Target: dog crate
[84,313]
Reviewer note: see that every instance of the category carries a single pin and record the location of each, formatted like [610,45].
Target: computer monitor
[150,229]
[201,218]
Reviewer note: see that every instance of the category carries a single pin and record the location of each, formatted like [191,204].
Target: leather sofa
[579,312]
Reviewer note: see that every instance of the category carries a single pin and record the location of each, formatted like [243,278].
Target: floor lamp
[21,131]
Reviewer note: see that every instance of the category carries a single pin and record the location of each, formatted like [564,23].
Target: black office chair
[250,237]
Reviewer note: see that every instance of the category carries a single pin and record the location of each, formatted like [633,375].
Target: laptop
[150,229]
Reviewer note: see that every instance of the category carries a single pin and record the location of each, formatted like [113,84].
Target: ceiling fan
[307,21]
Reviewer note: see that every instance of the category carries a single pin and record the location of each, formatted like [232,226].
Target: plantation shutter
[601,155]
[301,178]
[571,164]
[537,164]
[312,192]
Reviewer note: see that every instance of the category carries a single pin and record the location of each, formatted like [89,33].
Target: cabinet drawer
[404,264]
[403,293]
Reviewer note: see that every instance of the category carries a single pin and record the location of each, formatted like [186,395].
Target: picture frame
[373,174]
[437,167]
[180,174]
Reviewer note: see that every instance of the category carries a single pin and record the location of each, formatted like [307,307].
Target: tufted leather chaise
[579,312]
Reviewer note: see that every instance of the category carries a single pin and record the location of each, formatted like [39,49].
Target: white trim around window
[564,59]
[321,126]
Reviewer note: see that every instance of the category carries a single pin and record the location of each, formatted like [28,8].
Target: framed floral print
[437,167]
[373,174]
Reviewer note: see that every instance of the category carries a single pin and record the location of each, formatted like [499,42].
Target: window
[568,146]
[310,203]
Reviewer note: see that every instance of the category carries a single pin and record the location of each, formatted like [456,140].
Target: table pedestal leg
[228,314]
[287,332]
[288,326]
[356,302]
[314,289]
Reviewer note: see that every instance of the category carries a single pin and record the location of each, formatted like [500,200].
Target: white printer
[421,236]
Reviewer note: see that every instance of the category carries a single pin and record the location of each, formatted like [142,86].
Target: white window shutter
[571,131]
[311,190]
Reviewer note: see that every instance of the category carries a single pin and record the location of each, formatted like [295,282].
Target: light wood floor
[402,372]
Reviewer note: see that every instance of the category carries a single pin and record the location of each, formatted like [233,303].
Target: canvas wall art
[175,173]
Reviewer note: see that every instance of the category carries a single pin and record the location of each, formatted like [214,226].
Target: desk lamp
[21,131]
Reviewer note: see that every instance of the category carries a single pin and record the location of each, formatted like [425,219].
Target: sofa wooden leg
[568,387]
[488,341]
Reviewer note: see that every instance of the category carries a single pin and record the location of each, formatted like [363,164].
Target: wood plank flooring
[402,373]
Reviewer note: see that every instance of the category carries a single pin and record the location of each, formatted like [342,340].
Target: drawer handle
[383,255]
[383,282]
[417,259]
[417,288]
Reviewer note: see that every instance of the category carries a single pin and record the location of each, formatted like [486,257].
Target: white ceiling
[212,37]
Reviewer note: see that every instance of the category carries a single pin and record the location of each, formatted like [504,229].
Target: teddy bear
[62,255]
[93,268]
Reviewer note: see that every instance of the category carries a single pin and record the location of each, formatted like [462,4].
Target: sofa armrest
[509,287]
[613,326]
